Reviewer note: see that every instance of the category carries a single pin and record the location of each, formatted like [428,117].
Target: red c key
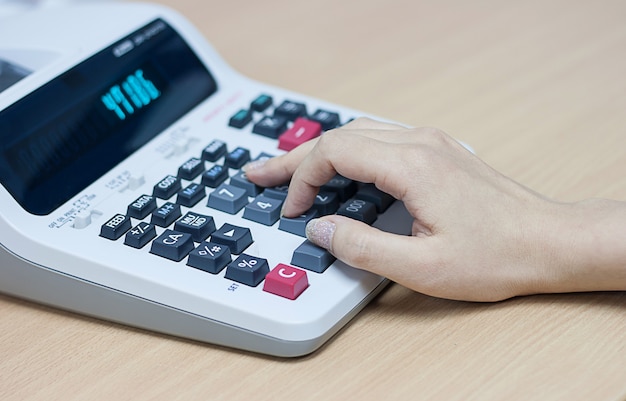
[286,281]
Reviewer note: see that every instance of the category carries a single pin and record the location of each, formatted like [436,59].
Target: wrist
[584,245]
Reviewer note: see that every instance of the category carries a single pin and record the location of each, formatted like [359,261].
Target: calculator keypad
[194,236]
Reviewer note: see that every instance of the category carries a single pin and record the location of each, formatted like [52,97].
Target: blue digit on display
[153,92]
[135,96]
[135,89]
[111,105]
[120,99]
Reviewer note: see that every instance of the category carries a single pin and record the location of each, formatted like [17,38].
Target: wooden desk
[537,87]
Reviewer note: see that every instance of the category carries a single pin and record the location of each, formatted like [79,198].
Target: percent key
[248,270]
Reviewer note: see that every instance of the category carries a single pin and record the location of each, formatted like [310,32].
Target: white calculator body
[122,135]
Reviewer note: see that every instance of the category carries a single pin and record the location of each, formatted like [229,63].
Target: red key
[286,281]
[301,131]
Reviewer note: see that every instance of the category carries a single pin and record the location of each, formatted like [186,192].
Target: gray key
[228,198]
[312,257]
[240,180]
[297,225]
[263,210]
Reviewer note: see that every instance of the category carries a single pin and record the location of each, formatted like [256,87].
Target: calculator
[122,138]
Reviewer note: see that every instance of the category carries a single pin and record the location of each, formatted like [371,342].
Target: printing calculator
[122,138]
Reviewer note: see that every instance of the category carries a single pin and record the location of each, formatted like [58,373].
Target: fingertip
[320,232]
[349,240]
[254,166]
[267,171]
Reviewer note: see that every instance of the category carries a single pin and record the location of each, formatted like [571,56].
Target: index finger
[349,153]
[278,170]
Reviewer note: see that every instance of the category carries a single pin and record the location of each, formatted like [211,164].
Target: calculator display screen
[69,132]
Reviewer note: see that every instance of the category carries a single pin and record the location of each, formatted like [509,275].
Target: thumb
[362,246]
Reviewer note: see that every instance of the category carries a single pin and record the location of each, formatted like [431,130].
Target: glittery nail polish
[320,232]
[253,165]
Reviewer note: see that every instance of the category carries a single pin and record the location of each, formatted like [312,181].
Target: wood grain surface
[537,88]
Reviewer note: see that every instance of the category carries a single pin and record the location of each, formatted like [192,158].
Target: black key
[248,270]
[240,119]
[312,257]
[290,110]
[235,237]
[166,214]
[359,209]
[191,169]
[209,257]
[261,103]
[115,227]
[140,235]
[343,187]
[328,120]
[142,206]
[167,187]
[372,194]
[191,195]
[214,151]
[326,203]
[271,127]
[172,245]
[237,158]
[198,225]
[214,176]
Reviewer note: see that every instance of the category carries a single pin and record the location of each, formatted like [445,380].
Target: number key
[359,209]
[263,210]
[228,198]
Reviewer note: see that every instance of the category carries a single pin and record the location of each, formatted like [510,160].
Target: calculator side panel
[23,279]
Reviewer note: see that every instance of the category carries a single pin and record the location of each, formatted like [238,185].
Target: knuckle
[360,122]
[434,135]
[327,140]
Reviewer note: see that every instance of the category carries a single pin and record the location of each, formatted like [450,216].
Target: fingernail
[254,165]
[320,232]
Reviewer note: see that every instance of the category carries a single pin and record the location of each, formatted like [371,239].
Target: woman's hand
[477,235]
